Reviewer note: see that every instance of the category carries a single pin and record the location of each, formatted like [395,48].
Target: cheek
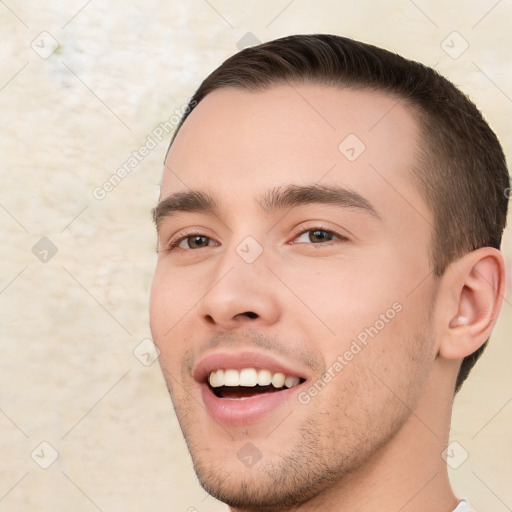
[172,295]
[169,336]
[346,296]
[168,310]
[380,378]
[365,315]
[351,293]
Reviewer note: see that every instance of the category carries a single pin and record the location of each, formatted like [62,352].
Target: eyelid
[304,227]
[334,237]
[178,237]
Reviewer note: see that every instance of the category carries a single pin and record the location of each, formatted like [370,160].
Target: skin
[374,435]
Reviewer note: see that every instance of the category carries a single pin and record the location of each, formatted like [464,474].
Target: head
[330,211]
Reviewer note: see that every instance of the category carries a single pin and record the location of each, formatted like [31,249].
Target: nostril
[213,320]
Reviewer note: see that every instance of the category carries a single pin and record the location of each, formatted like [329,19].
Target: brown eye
[317,236]
[192,242]
[320,235]
[195,242]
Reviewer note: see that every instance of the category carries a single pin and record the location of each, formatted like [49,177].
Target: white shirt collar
[463,506]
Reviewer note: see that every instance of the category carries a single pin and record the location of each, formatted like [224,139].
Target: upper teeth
[250,377]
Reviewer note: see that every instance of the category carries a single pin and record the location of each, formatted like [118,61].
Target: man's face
[292,252]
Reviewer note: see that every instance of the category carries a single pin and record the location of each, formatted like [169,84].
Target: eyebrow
[191,201]
[299,195]
[276,199]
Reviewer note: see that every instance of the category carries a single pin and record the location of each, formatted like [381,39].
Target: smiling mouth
[246,383]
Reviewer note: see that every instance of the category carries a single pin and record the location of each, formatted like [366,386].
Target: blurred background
[85,419]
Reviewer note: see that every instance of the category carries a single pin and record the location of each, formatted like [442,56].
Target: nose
[240,294]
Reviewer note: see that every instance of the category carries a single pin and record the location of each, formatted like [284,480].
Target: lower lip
[244,412]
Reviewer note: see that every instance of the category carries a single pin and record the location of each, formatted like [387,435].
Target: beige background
[69,326]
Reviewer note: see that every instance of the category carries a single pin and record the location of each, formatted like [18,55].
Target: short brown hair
[462,173]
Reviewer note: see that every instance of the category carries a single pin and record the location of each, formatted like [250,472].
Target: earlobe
[477,285]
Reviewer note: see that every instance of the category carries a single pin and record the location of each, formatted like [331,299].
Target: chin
[267,487]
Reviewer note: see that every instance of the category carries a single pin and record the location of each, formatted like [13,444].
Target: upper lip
[243,359]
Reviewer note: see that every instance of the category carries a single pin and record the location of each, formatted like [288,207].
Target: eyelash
[176,241]
[338,236]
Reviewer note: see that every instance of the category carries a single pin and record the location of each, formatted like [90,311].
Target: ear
[472,293]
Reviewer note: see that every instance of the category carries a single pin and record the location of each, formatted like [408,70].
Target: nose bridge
[239,289]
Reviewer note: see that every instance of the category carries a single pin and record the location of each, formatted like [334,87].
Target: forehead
[236,143]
